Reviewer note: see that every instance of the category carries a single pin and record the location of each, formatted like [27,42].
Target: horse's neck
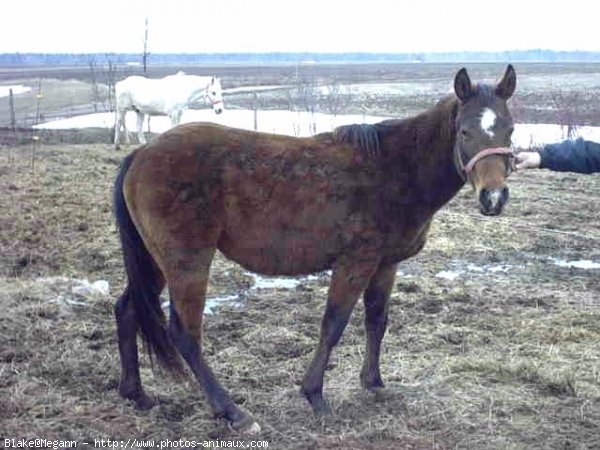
[199,88]
[421,150]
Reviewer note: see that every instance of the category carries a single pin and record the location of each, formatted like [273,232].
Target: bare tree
[565,105]
[94,82]
[336,97]
[111,79]
[304,95]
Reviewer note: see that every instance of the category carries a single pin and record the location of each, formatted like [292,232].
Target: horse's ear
[212,81]
[462,85]
[507,85]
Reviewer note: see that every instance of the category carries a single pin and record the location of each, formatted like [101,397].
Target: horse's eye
[214,93]
[466,134]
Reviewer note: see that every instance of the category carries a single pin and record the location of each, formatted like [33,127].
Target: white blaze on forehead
[488,120]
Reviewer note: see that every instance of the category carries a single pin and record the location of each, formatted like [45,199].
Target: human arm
[579,156]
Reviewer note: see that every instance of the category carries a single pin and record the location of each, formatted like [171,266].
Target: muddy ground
[491,343]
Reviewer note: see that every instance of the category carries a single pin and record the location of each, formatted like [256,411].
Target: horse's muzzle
[491,201]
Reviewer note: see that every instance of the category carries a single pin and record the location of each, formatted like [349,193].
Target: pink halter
[468,168]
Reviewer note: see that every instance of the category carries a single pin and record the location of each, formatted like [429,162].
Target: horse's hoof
[144,402]
[321,408]
[380,394]
[246,426]
[140,399]
[252,430]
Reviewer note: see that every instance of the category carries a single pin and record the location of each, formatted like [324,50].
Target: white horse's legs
[120,123]
[117,128]
[140,127]
[124,122]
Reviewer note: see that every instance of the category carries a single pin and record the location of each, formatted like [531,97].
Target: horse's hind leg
[117,129]
[187,285]
[140,128]
[348,281]
[376,299]
[130,386]
[120,123]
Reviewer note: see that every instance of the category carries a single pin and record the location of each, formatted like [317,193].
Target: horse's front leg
[376,299]
[349,279]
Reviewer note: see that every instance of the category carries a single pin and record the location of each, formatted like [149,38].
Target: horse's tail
[143,282]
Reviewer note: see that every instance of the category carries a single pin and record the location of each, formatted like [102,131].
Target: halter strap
[468,168]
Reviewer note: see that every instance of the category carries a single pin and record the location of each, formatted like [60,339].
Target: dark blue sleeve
[571,156]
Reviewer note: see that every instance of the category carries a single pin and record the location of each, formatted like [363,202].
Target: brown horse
[356,201]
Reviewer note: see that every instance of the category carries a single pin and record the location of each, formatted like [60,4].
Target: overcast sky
[189,26]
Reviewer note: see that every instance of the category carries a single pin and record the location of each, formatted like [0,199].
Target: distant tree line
[289,57]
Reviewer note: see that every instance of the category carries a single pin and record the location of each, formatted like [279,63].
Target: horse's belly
[278,252]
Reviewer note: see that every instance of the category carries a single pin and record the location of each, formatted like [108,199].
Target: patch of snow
[84,287]
[77,286]
[17,89]
[530,135]
[402,274]
[501,268]
[261,282]
[449,274]
[212,303]
[584,264]
[474,268]
[292,123]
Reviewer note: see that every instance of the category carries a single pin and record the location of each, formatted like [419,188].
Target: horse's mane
[363,137]
[367,138]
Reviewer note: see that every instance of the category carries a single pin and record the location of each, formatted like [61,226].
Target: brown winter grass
[489,361]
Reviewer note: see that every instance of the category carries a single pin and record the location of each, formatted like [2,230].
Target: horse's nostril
[492,200]
[484,197]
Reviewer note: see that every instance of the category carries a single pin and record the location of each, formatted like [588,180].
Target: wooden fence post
[11,101]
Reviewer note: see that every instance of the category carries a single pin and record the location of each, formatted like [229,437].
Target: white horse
[168,96]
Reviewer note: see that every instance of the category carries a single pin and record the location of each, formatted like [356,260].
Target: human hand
[527,160]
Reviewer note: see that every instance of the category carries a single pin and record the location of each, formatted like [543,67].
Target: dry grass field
[492,342]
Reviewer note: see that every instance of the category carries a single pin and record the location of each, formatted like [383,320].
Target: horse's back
[247,149]
[142,94]
[157,96]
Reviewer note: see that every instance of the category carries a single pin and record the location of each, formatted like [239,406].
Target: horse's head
[214,95]
[484,127]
